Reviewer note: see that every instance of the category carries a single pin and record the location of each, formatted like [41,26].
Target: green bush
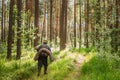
[3,48]
[17,69]
[24,73]
[56,53]
[101,68]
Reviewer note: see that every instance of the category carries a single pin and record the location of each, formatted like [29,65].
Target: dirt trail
[74,75]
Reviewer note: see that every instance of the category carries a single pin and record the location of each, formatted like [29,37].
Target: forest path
[75,74]
[72,75]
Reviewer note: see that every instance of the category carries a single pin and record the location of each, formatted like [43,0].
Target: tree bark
[2,21]
[80,27]
[11,22]
[115,34]
[62,25]
[74,23]
[57,20]
[44,30]
[29,9]
[86,23]
[19,22]
[109,14]
[51,26]
[36,22]
[66,5]
[98,23]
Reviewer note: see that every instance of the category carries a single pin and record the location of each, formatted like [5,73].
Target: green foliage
[3,48]
[108,40]
[24,72]
[60,68]
[26,66]
[2,67]
[101,68]
[15,65]
[83,50]
[56,53]
[17,69]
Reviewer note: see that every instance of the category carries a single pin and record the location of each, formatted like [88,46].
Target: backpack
[44,52]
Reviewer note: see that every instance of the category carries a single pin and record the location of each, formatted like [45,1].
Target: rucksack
[44,51]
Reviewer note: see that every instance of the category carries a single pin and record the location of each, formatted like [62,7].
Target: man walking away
[43,57]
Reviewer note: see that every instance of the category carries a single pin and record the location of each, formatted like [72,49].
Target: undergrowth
[17,69]
[101,68]
[83,50]
[58,69]
[25,67]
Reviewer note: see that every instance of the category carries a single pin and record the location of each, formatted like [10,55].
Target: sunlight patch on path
[79,60]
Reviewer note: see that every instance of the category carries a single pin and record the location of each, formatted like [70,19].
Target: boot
[45,69]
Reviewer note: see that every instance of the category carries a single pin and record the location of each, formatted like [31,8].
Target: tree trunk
[44,30]
[98,23]
[80,27]
[30,6]
[74,23]
[66,21]
[115,35]
[2,21]
[109,14]
[51,26]
[57,19]
[9,47]
[30,12]
[36,22]
[19,18]
[62,25]
[5,28]
[86,23]
[14,16]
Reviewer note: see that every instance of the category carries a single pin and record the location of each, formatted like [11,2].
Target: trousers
[42,61]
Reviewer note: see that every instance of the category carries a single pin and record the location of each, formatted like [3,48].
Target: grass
[101,68]
[17,69]
[95,68]
[25,67]
[58,69]
[83,51]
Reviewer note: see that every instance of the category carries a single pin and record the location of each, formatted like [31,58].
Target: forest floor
[72,64]
[78,60]
[75,74]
